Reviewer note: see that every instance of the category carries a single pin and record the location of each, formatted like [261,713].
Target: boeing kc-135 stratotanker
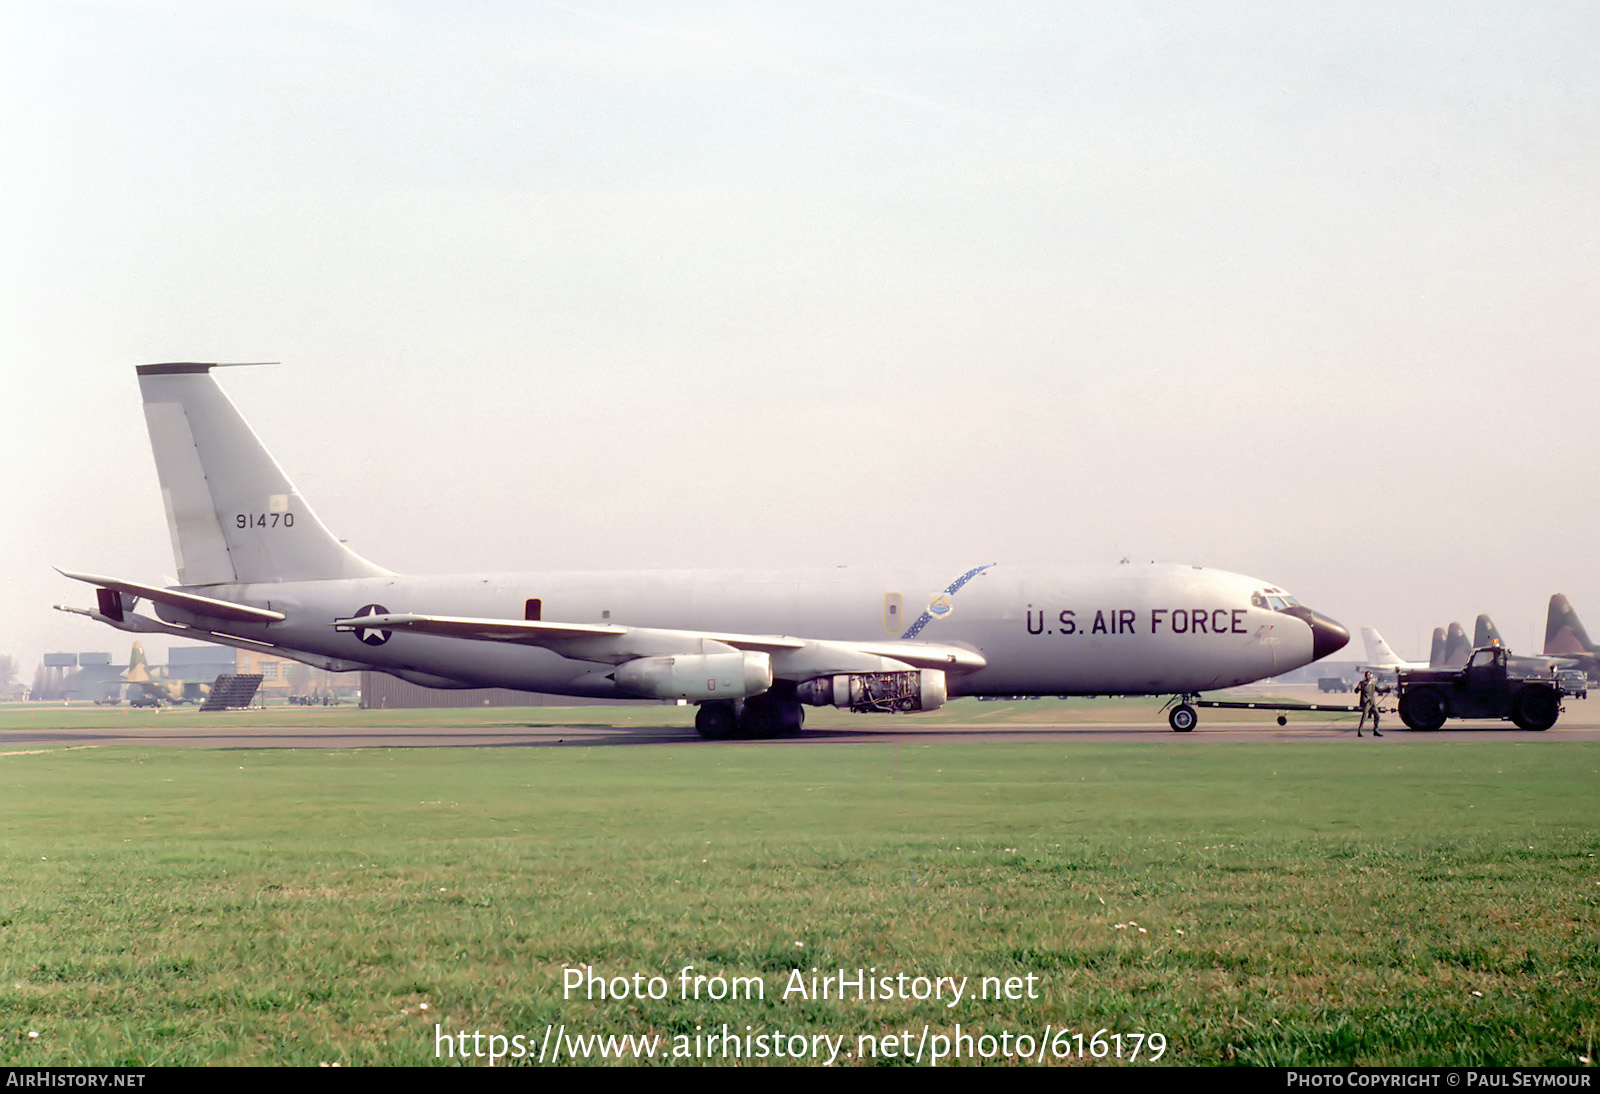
[258,570]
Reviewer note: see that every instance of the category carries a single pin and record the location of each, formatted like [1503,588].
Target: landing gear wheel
[1422,708]
[715,721]
[1535,708]
[758,719]
[1182,718]
[775,713]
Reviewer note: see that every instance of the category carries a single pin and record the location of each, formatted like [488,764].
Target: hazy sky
[1310,292]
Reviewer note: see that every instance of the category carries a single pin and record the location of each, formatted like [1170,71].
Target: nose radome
[1326,635]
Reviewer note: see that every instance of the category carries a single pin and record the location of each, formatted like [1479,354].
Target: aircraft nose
[1326,635]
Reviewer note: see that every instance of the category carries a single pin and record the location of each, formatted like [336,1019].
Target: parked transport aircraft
[1485,633]
[1436,656]
[1382,661]
[1565,637]
[258,570]
[1457,648]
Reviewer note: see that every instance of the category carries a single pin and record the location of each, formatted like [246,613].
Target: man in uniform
[1368,690]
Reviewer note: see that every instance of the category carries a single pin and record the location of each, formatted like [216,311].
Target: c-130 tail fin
[1563,633]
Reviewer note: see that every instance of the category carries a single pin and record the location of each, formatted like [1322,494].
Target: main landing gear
[774,713]
[1182,717]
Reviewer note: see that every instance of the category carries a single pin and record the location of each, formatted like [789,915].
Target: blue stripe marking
[954,587]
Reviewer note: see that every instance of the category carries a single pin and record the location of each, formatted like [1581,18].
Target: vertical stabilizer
[1456,647]
[234,515]
[1563,634]
[1378,651]
[1485,633]
[1436,651]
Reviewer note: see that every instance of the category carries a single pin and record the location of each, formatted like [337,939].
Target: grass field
[1268,904]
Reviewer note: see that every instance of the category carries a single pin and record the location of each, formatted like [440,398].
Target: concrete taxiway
[1575,726]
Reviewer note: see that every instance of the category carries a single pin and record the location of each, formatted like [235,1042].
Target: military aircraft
[1564,636]
[1382,661]
[258,570]
[146,689]
[1436,651]
[1456,649]
[1485,633]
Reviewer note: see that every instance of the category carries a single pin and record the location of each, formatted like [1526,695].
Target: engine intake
[878,692]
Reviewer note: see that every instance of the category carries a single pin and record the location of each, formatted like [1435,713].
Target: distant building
[200,664]
[282,677]
[93,676]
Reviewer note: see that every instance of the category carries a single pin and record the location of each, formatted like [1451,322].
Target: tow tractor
[1486,688]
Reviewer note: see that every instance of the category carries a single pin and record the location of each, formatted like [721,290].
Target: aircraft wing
[792,658]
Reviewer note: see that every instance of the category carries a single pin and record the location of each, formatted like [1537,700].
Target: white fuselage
[1124,629]
[258,569]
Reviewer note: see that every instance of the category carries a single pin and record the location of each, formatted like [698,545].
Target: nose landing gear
[1182,716]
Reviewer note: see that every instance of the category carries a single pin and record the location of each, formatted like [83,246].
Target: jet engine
[696,676]
[877,692]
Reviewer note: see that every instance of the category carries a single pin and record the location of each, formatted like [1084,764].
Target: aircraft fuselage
[1154,629]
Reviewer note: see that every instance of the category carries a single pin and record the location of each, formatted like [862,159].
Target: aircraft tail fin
[1485,633]
[234,515]
[1378,651]
[1456,648]
[1436,651]
[138,665]
[1563,633]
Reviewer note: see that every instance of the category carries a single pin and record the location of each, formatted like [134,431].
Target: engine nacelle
[878,692]
[696,676]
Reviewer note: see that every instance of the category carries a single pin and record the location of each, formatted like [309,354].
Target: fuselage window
[532,610]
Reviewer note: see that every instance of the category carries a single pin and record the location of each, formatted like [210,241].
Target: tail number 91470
[264,520]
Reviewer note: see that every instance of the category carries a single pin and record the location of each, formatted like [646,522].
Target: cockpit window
[1276,599]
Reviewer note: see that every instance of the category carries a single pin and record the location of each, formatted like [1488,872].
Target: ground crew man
[1367,689]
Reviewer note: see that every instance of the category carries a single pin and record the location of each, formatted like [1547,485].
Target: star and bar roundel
[372,636]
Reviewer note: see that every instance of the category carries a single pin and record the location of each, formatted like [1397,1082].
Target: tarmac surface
[1580,723]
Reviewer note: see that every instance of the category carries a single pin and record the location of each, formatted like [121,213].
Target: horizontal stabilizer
[189,602]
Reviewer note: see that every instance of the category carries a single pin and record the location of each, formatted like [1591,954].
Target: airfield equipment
[232,691]
[1485,688]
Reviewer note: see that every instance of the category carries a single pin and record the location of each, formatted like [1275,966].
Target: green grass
[1299,904]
